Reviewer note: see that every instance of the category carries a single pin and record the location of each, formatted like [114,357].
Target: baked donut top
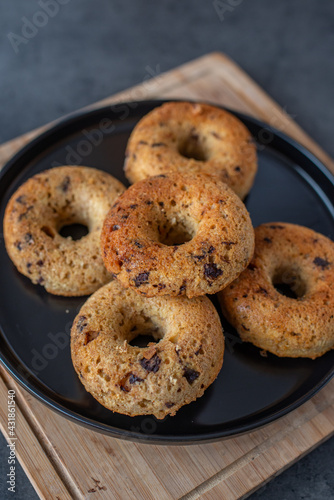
[192,137]
[35,216]
[177,234]
[284,301]
[175,369]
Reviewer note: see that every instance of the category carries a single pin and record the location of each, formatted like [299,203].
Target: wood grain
[64,460]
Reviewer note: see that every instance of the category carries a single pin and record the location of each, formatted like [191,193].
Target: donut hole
[192,148]
[74,231]
[175,231]
[288,282]
[144,332]
[176,235]
[142,340]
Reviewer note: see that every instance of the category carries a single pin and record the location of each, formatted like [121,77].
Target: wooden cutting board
[64,460]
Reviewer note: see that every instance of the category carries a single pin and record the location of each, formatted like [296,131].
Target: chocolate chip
[262,290]
[199,350]
[65,184]
[161,286]
[133,379]
[18,245]
[124,216]
[211,271]
[183,287]
[133,206]
[151,365]
[245,295]
[157,144]
[161,175]
[142,279]
[161,203]
[169,405]
[190,374]
[20,199]
[129,378]
[89,336]
[139,245]
[268,240]
[124,388]
[149,202]
[81,323]
[224,242]
[40,262]
[211,249]
[237,169]
[323,263]
[245,328]
[40,280]
[28,238]
[24,214]
[115,227]
[199,257]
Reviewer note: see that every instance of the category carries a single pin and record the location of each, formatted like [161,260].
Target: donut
[299,325]
[184,359]
[177,235]
[40,208]
[192,137]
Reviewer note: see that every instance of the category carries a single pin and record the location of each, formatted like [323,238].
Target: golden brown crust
[140,233]
[192,137]
[37,211]
[157,379]
[293,327]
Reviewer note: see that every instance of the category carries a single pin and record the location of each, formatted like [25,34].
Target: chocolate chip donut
[158,379]
[177,235]
[192,137]
[299,325]
[40,208]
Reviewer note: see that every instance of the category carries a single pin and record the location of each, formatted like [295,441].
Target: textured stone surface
[90,50]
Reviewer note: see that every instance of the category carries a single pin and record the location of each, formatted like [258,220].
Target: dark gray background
[91,49]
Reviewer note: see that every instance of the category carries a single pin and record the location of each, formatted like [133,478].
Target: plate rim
[74,119]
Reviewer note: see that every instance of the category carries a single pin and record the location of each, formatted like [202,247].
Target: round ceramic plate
[251,390]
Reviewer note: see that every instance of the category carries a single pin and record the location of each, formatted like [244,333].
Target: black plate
[251,390]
